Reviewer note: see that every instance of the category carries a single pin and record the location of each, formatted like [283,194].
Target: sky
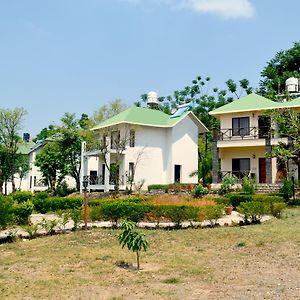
[61,56]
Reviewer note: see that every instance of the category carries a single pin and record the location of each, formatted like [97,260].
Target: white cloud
[228,9]
[224,8]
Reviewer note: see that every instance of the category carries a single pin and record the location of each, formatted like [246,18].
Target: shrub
[200,191]
[253,211]
[223,201]
[75,215]
[163,187]
[21,196]
[237,198]
[178,214]
[6,211]
[287,189]
[41,195]
[212,213]
[227,184]
[277,208]
[53,204]
[22,212]
[63,190]
[249,185]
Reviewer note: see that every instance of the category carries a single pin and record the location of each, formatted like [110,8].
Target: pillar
[268,160]
[215,157]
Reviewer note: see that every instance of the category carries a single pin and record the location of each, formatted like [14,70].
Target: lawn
[253,262]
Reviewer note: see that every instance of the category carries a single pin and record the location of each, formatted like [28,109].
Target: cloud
[227,9]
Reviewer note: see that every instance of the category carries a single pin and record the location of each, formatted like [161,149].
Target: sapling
[134,240]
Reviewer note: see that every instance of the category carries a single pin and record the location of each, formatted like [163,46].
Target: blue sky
[75,55]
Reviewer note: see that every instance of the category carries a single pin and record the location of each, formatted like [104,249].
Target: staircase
[268,188]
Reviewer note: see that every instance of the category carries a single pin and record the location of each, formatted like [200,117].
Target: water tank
[152,98]
[26,137]
[292,85]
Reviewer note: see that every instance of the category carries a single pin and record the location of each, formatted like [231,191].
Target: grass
[184,264]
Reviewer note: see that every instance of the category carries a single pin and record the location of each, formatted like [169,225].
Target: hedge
[173,186]
[97,202]
[21,196]
[53,204]
[22,212]
[6,209]
[237,198]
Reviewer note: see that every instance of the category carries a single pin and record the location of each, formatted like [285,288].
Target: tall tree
[10,126]
[285,64]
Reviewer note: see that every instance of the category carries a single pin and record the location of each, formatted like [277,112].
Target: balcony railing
[238,174]
[225,134]
[99,180]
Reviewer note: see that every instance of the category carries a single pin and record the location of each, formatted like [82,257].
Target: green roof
[250,102]
[147,117]
[25,147]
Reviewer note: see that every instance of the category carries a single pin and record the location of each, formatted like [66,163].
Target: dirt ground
[253,262]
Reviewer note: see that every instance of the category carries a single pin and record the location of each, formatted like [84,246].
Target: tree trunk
[138,260]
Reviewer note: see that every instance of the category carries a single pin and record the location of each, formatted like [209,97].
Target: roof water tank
[152,98]
[292,85]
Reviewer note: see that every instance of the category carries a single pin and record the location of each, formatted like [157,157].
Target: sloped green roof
[250,102]
[25,147]
[293,103]
[145,116]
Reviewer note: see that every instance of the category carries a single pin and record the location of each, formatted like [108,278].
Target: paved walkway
[226,220]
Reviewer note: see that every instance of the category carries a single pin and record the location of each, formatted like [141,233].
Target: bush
[164,187]
[6,211]
[277,208]
[63,190]
[21,196]
[237,198]
[22,212]
[200,191]
[97,202]
[249,185]
[41,195]
[287,189]
[253,211]
[227,184]
[223,201]
[53,204]
[178,214]
[212,213]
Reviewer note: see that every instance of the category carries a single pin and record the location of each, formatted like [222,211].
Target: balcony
[243,133]
[98,182]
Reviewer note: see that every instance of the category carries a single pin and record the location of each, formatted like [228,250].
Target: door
[264,125]
[177,173]
[262,170]
[93,177]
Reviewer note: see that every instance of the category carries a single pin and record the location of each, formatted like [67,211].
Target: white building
[158,149]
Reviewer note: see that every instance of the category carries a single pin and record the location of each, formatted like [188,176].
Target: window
[131,171]
[132,138]
[240,167]
[115,139]
[240,126]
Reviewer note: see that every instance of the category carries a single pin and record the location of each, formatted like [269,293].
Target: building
[246,134]
[147,145]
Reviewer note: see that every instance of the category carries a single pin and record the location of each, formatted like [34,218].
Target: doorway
[177,173]
[262,170]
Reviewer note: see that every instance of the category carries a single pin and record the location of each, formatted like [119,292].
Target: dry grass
[180,200]
[255,262]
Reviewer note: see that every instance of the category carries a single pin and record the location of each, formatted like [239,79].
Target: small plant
[6,212]
[253,211]
[249,185]
[200,191]
[287,189]
[75,215]
[227,184]
[65,216]
[32,230]
[171,280]
[134,240]
[48,225]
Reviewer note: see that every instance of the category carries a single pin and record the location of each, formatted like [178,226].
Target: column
[268,160]
[84,165]
[215,157]
[106,177]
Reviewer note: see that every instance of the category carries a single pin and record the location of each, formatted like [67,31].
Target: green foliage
[133,240]
[212,213]
[227,184]
[200,191]
[6,211]
[180,213]
[53,204]
[31,230]
[41,195]
[163,187]
[21,196]
[237,198]
[249,185]
[22,212]
[287,189]
[76,216]
[48,225]
[223,201]
[253,211]
[62,189]
[277,208]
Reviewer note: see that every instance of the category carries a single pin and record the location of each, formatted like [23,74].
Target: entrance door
[177,173]
[93,177]
[262,170]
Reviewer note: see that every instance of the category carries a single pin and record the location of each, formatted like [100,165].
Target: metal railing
[243,133]
[99,180]
[238,174]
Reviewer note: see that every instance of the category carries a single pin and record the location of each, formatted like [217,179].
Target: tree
[285,64]
[10,125]
[134,240]
[51,164]
[107,111]
[22,167]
